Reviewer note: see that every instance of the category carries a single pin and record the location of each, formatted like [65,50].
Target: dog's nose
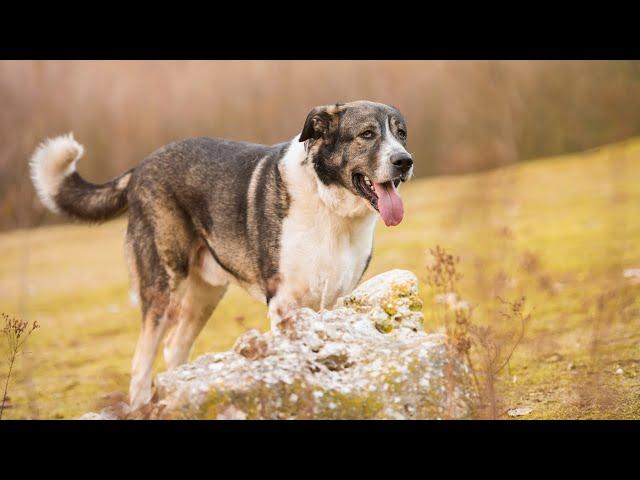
[402,161]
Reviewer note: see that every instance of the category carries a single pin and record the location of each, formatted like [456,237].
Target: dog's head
[360,146]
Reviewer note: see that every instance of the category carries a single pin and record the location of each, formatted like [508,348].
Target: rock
[231,413]
[519,412]
[114,412]
[553,358]
[619,371]
[252,345]
[94,416]
[367,358]
[389,300]
[633,274]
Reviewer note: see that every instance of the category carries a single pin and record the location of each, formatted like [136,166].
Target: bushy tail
[62,190]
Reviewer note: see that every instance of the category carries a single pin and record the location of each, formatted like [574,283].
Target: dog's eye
[367,134]
[402,134]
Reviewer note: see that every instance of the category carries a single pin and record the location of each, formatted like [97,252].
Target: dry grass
[463,116]
[485,351]
[560,232]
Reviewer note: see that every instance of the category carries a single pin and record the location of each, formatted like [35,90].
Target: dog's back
[229,193]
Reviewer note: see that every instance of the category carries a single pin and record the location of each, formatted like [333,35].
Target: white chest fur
[326,238]
[322,257]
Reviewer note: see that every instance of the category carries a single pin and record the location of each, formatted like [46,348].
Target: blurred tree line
[463,116]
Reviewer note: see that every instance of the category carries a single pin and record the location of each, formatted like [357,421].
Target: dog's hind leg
[205,287]
[159,243]
[157,311]
[198,302]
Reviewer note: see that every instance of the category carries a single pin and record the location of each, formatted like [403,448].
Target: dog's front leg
[280,307]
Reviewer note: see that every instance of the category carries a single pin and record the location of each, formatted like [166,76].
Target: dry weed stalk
[442,271]
[491,351]
[457,317]
[16,332]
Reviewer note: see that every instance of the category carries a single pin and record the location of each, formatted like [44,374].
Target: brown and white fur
[291,223]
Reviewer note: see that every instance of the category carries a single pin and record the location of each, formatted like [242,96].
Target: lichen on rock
[367,358]
[390,300]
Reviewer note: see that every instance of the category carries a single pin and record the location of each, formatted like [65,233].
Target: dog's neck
[297,163]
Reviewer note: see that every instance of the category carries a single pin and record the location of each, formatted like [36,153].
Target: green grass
[575,218]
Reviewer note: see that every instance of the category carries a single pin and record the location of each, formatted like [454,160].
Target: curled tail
[62,190]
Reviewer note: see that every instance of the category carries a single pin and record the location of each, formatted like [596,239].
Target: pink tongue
[389,203]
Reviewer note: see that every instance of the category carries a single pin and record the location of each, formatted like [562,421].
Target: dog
[291,223]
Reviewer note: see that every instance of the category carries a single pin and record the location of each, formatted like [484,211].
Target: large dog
[292,223]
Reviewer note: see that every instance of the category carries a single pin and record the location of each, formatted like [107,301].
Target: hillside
[560,231]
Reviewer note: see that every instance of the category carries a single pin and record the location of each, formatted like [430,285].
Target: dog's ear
[321,122]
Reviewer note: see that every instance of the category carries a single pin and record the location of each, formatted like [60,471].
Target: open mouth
[365,187]
[383,197]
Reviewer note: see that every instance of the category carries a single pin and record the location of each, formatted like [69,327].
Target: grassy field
[559,231]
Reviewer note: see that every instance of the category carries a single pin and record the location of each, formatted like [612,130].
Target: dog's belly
[212,273]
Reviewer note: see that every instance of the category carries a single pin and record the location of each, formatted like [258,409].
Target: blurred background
[563,231]
[463,116]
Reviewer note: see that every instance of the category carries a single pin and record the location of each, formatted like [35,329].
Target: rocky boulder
[369,358]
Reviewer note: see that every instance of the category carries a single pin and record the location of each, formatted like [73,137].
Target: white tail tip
[53,160]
